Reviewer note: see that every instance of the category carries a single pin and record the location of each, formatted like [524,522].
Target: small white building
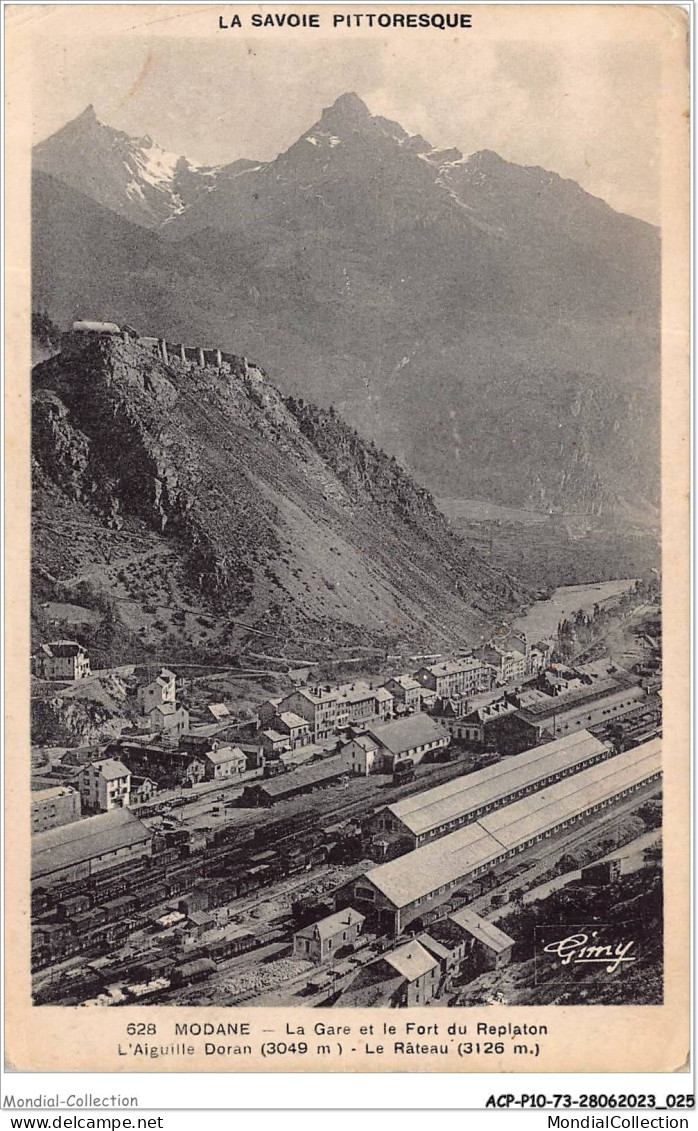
[362,753]
[320,942]
[162,689]
[56,805]
[224,762]
[105,785]
[168,717]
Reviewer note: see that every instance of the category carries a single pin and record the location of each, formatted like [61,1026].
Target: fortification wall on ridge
[169,352]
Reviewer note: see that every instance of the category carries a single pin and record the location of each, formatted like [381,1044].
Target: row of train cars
[95,916]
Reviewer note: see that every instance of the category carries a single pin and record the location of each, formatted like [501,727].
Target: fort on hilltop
[168,352]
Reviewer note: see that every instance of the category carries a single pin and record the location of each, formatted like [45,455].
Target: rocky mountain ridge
[203,495]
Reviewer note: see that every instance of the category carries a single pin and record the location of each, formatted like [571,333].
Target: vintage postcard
[347,457]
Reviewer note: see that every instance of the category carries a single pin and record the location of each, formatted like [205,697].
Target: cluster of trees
[44,330]
[576,634]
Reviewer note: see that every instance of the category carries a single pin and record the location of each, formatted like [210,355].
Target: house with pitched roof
[406,692]
[321,941]
[169,718]
[490,947]
[224,762]
[105,784]
[62,659]
[412,737]
[296,728]
[420,973]
[362,752]
[162,689]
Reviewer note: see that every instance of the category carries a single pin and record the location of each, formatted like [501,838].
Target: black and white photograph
[346,638]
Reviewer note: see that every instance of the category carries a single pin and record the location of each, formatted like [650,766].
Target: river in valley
[541,620]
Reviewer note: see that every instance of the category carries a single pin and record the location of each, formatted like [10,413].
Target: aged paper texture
[347,538]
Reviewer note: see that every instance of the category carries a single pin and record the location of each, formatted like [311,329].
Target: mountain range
[493,326]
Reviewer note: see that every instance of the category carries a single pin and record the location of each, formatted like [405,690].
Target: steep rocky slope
[492,325]
[198,498]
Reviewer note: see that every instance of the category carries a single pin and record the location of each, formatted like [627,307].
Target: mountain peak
[88,116]
[348,109]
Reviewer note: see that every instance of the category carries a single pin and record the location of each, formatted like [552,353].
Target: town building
[167,767]
[327,938]
[465,676]
[385,704]
[420,973]
[508,663]
[162,689]
[62,659]
[268,711]
[104,785]
[406,692]
[322,707]
[169,719]
[82,848]
[273,742]
[475,728]
[490,948]
[53,806]
[224,762]
[142,790]
[539,657]
[395,893]
[363,703]
[295,727]
[413,737]
[362,753]
[410,975]
[254,755]
[433,813]
[447,942]
[560,678]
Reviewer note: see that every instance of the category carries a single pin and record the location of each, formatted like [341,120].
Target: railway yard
[129,933]
[367,863]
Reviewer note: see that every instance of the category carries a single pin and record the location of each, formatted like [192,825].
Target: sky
[583,104]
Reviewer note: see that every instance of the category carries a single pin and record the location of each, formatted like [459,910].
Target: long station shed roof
[423,871]
[83,840]
[470,792]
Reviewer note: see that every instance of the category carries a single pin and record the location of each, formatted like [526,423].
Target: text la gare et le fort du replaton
[442,21]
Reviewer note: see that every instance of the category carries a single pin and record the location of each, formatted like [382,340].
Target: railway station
[433,813]
[399,891]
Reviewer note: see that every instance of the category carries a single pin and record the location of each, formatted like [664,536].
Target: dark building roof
[601,694]
[62,649]
[305,777]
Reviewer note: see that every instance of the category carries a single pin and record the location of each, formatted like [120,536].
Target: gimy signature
[581,948]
